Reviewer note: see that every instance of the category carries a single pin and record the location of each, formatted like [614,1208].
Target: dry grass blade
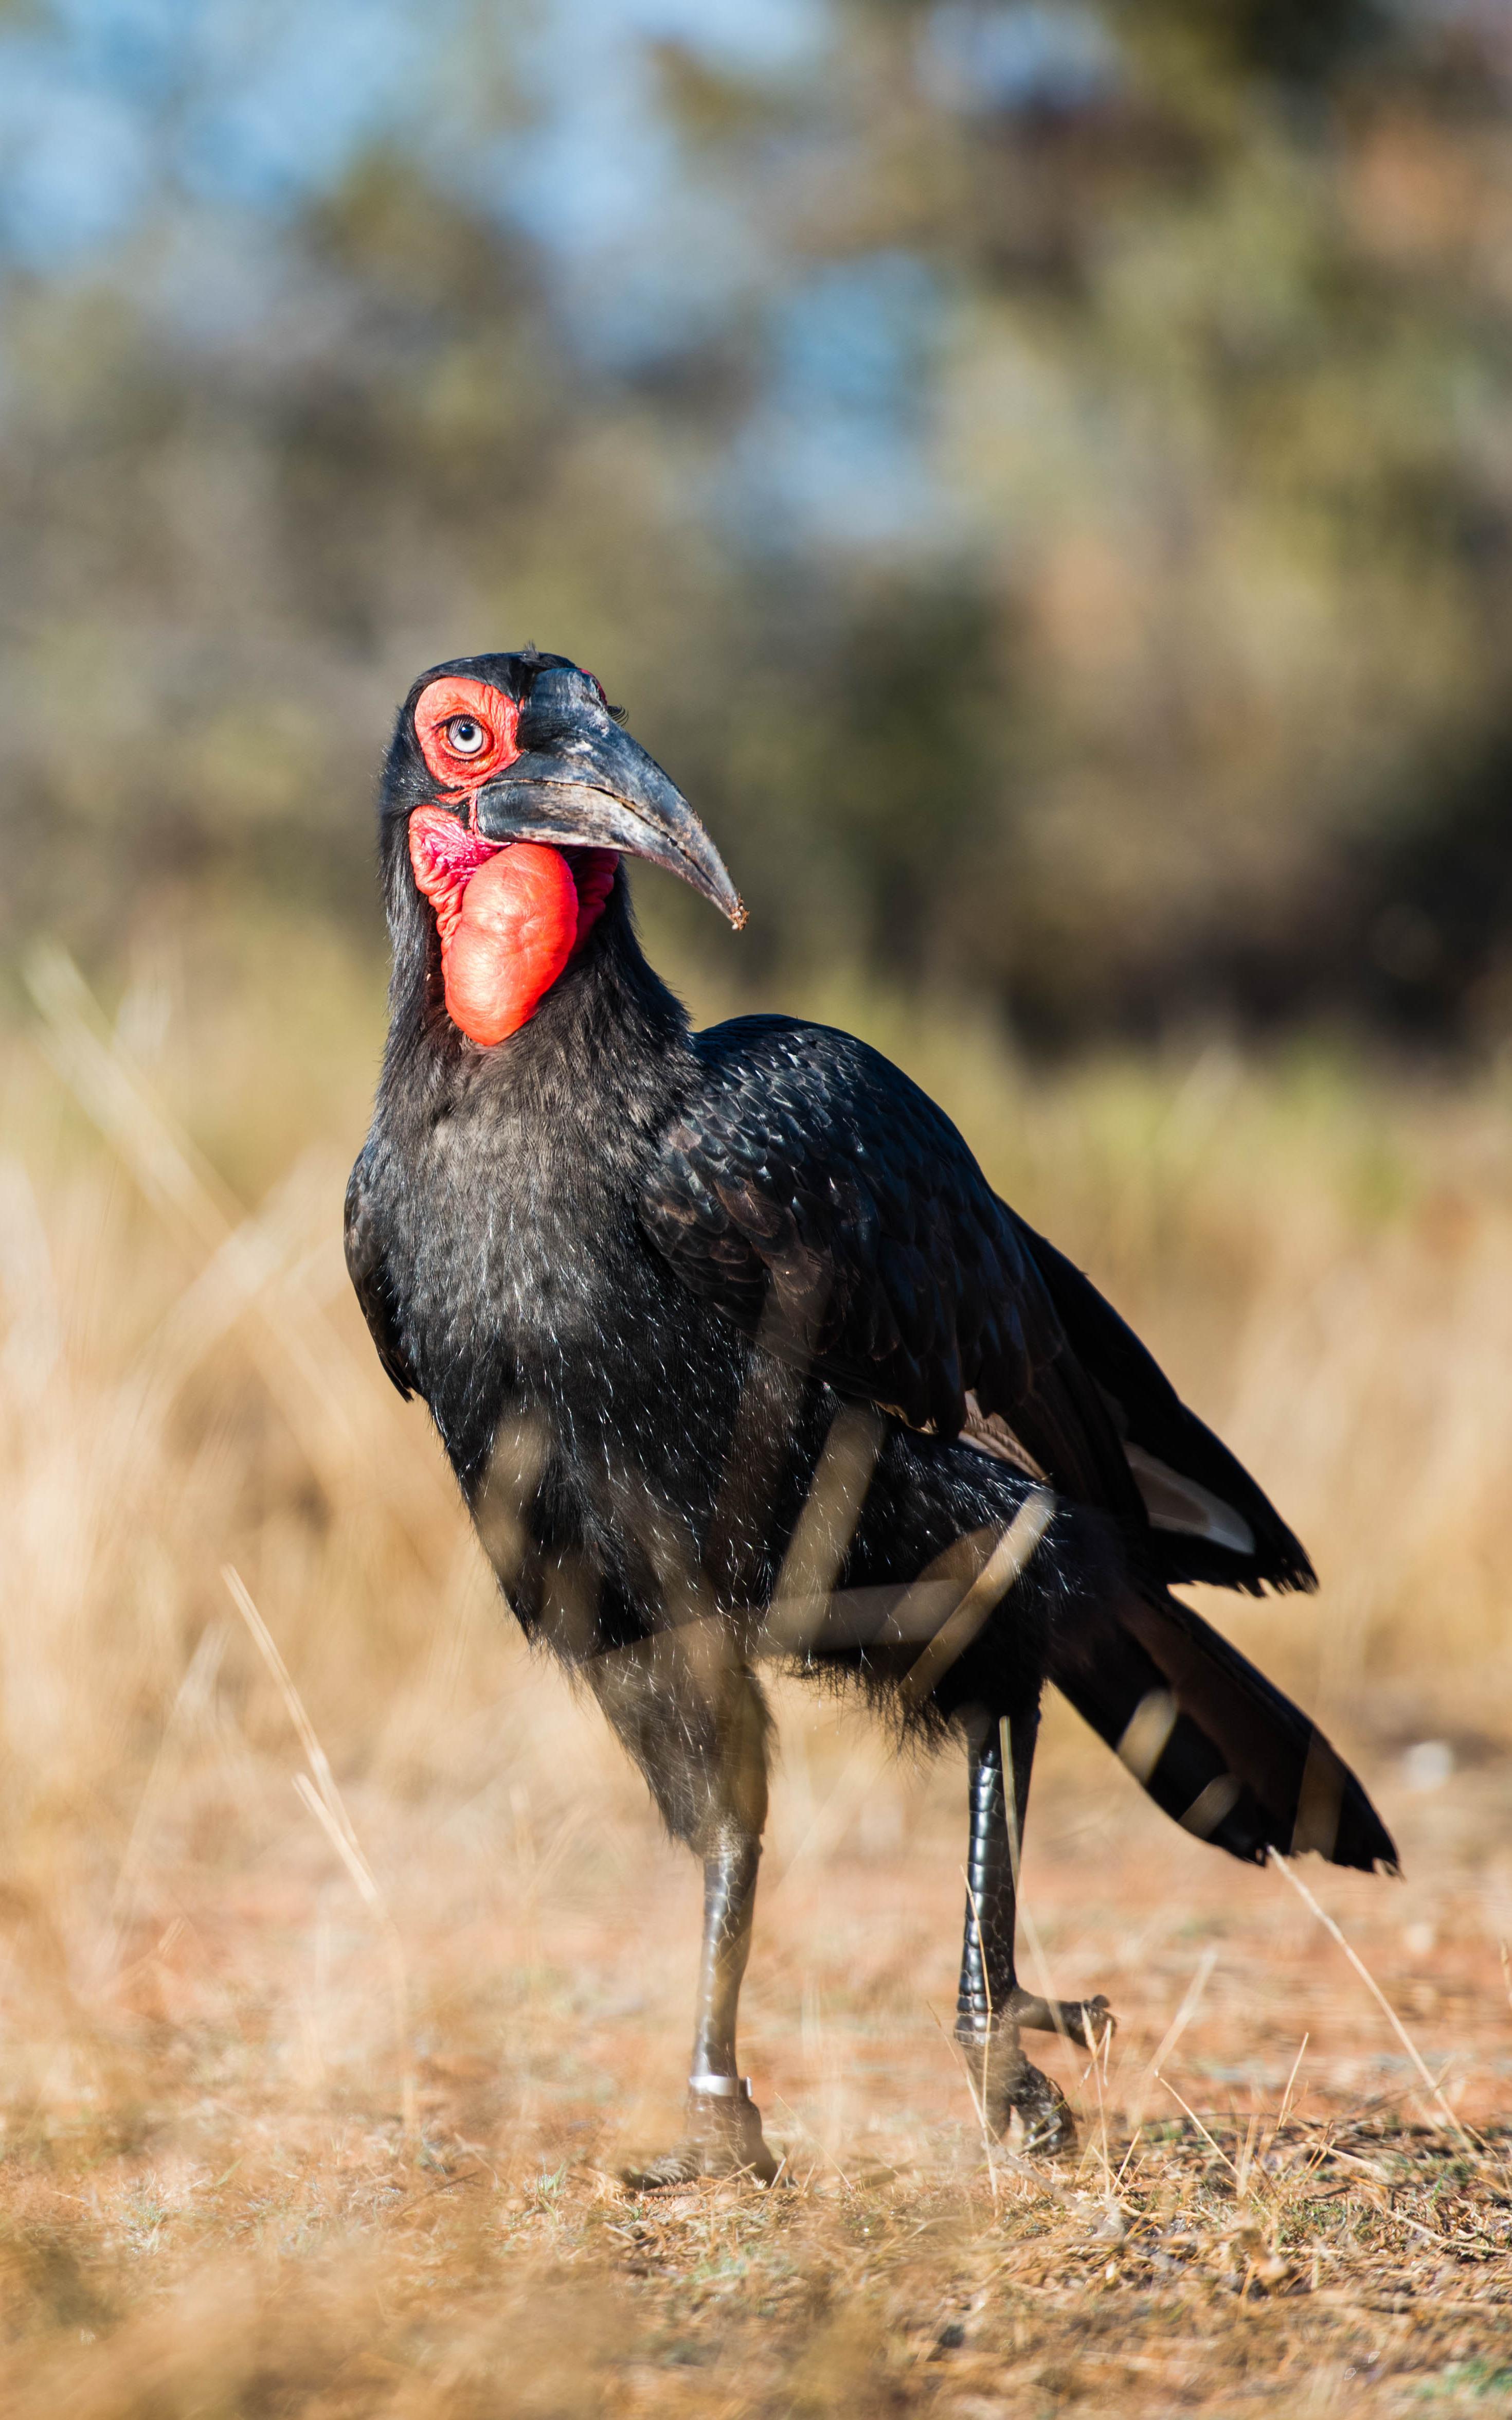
[293,1342]
[325,1780]
[97,1068]
[340,1836]
[1007,1562]
[979,2099]
[1009,1556]
[823,1530]
[320,1793]
[1283,1866]
[1190,2003]
[1193,2119]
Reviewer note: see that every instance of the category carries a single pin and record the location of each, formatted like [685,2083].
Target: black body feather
[637,1273]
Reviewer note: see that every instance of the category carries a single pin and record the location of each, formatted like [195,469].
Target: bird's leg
[724,2124]
[992,2008]
[691,1714]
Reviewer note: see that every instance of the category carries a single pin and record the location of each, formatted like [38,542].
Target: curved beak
[582,783]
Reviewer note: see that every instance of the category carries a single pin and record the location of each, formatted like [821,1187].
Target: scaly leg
[691,1715]
[724,2126]
[992,2008]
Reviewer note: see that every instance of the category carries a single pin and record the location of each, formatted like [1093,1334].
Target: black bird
[737,1354]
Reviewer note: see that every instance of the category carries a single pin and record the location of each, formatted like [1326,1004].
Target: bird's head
[509,797]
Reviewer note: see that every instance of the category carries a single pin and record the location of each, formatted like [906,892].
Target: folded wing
[823,1203]
[812,1192]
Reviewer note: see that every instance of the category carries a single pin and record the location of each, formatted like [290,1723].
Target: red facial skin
[453,701]
[510,914]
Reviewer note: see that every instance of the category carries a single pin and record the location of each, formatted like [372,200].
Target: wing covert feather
[811,1191]
[817,1197]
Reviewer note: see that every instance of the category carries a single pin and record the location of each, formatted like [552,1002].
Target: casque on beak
[582,783]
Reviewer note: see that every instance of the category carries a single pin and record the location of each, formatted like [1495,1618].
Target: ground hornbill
[736,1354]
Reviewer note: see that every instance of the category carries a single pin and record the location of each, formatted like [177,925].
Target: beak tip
[737,915]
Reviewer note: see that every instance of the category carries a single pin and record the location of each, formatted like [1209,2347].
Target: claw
[724,2138]
[1049,2127]
[1003,2080]
[1087,2022]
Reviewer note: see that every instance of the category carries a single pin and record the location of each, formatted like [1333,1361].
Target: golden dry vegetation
[315,2075]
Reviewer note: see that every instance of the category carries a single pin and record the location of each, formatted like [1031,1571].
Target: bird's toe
[1049,2127]
[1092,2023]
[1087,2022]
[723,2140]
[1003,2080]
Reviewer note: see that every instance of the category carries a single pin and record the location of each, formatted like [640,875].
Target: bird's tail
[1214,1743]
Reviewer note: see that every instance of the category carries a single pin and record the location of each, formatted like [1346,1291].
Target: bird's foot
[1003,2080]
[724,2138]
[1087,2022]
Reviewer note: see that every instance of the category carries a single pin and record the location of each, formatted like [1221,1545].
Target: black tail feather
[1215,1743]
[1148,1413]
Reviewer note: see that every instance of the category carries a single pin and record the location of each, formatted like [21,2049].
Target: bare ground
[226,2188]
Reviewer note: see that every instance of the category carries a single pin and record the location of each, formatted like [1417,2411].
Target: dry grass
[277,2143]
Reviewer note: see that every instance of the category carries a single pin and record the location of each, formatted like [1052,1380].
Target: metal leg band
[721,2088]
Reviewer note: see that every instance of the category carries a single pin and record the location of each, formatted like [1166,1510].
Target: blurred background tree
[1039,474]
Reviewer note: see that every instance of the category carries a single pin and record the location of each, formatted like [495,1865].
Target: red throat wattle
[510,917]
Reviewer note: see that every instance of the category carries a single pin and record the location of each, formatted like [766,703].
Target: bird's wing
[818,1198]
[1214,1523]
[367,1269]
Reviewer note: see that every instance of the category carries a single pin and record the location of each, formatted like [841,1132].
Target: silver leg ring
[721,2088]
